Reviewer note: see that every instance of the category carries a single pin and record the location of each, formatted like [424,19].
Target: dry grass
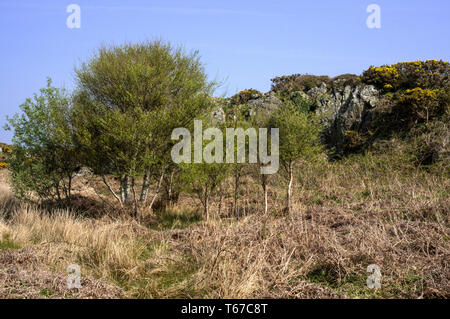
[347,215]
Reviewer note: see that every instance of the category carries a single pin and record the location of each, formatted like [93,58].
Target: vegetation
[4,155]
[244,96]
[224,230]
[129,100]
[44,156]
[365,209]
[299,140]
[298,82]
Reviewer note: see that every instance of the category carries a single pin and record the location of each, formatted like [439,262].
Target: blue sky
[245,42]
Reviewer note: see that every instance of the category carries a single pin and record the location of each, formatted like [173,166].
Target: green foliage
[203,180]
[44,156]
[415,93]
[420,89]
[129,100]
[300,100]
[420,104]
[299,139]
[299,134]
[429,144]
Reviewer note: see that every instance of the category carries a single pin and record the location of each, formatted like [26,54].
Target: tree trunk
[157,191]
[145,186]
[207,207]
[125,189]
[137,214]
[70,186]
[111,190]
[264,186]
[170,195]
[288,197]
[236,193]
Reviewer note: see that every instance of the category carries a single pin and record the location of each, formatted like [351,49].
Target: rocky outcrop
[345,109]
[264,104]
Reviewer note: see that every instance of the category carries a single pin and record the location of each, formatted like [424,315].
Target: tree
[203,180]
[239,169]
[262,120]
[203,177]
[299,139]
[129,99]
[44,156]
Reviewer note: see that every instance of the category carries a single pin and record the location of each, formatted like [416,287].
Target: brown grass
[347,215]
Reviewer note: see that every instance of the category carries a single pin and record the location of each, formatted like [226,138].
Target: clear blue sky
[248,42]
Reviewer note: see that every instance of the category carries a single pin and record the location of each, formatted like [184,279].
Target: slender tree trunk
[207,207]
[288,197]
[58,193]
[145,186]
[137,214]
[125,189]
[111,190]
[158,188]
[264,186]
[170,195]
[70,186]
[236,192]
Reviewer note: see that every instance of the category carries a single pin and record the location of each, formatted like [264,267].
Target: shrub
[298,82]
[420,104]
[44,156]
[4,155]
[430,74]
[415,92]
[344,80]
[354,141]
[244,96]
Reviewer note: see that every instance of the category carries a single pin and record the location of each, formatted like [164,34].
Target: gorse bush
[5,152]
[414,93]
[430,74]
[419,89]
[420,104]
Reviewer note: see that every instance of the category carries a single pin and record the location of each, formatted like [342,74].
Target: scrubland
[364,209]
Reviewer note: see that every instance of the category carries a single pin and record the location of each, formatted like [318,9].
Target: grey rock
[219,115]
[83,172]
[264,105]
[344,109]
